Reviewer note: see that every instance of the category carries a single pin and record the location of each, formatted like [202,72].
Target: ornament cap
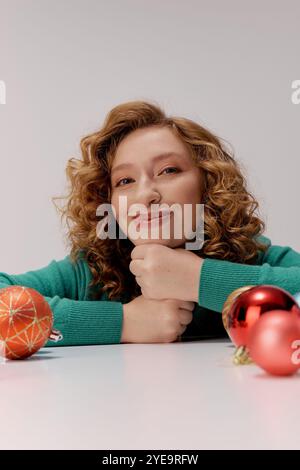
[55,336]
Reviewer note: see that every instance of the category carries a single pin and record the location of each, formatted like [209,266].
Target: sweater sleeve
[280,266]
[85,322]
[62,278]
[283,256]
[63,285]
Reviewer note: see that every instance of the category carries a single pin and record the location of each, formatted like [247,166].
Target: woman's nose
[148,194]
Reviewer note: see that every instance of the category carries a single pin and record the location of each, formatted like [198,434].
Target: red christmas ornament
[251,304]
[274,342]
[25,322]
[228,304]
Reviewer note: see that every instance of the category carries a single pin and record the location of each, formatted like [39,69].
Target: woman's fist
[155,321]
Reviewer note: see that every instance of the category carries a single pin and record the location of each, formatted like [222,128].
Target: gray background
[227,64]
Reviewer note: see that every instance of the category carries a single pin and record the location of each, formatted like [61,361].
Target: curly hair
[231,226]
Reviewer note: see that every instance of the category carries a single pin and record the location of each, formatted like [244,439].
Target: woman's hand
[155,321]
[166,273]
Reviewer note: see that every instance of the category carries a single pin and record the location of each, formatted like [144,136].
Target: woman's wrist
[124,334]
[195,278]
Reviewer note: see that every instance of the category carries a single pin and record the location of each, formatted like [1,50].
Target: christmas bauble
[297,298]
[228,304]
[251,304]
[274,342]
[25,322]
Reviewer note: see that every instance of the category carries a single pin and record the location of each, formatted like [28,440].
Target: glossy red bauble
[247,308]
[274,342]
[228,304]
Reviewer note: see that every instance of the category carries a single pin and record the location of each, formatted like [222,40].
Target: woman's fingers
[187,305]
[185,316]
[182,329]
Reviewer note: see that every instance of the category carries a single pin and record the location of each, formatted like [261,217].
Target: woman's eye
[170,168]
[124,179]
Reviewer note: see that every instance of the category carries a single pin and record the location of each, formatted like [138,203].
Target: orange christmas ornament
[26,322]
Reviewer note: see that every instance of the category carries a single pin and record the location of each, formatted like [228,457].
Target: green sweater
[83,321]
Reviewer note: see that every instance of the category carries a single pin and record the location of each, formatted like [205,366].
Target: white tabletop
[186,395]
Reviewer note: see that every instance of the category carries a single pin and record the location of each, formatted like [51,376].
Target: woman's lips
[141,222]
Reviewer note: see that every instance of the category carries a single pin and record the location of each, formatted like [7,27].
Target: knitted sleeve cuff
[219,278]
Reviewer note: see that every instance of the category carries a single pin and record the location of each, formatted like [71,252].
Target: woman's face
[143,174]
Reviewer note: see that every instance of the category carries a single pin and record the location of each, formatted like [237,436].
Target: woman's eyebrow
[162,156]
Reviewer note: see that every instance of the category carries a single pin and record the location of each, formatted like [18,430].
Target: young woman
[142,290]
